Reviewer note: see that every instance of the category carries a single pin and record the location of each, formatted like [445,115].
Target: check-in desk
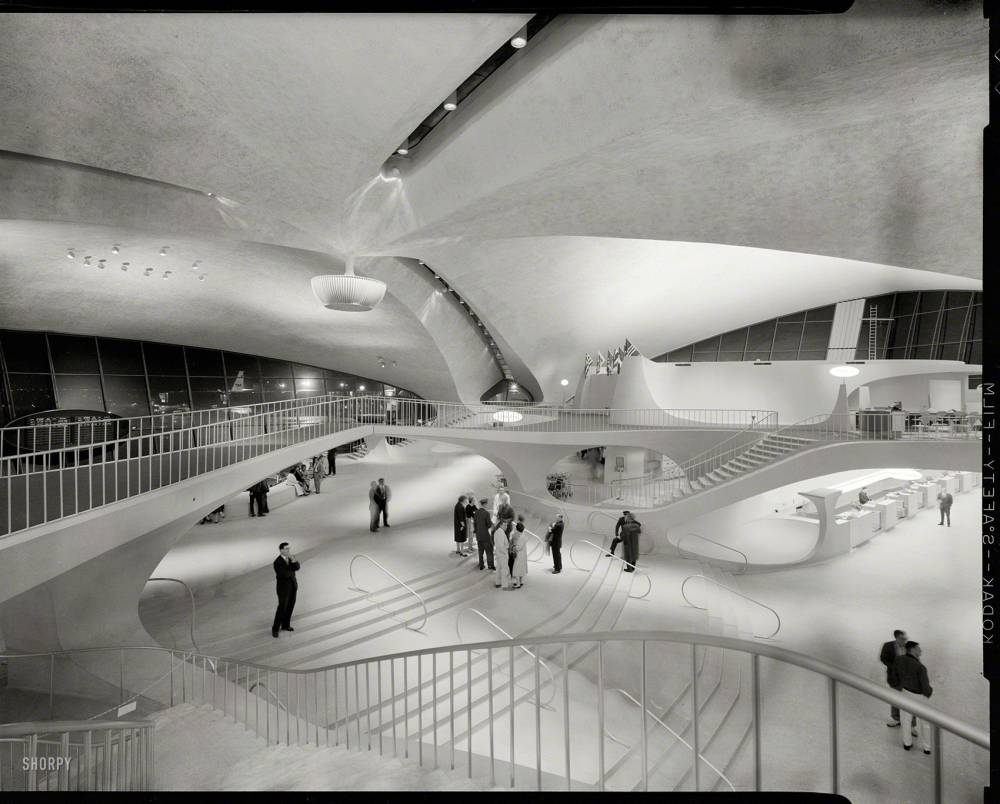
[859,524]
[967,481]
[931,489]
[906,502]
[950,483]
[882,517]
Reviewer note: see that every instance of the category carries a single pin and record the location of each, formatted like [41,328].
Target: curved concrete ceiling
[256,299]
[572,200]
[856,135]
[558,297]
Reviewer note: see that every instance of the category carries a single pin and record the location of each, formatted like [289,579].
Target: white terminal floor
[918,576]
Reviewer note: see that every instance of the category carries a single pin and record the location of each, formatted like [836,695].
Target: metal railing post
[755,683]
[694,718]
[600,715]
[936,748]
[834,758]
[642,701]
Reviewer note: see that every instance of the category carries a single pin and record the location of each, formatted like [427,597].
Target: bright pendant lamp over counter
[347,291]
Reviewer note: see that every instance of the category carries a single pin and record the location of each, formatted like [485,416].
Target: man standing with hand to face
[285,567]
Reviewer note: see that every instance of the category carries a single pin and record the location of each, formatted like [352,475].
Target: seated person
[863,496]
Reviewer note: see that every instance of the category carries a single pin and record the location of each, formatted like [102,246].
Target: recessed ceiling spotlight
[86,260]
[166,277]
[361,388]
[114,248]
[520,39]
[70,255]
[201,278]
[404,149]
[163,251]
[564,382]
[100,264]
[125,266]
[451,104]
[196,265]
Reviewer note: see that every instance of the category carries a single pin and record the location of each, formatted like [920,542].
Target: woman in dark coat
[460,535]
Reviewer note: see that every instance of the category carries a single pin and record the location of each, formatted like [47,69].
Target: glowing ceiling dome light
[520,39]
[507,416]
[347,291]
[451,104]
[845,371]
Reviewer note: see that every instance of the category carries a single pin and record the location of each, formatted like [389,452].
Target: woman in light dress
[518,550]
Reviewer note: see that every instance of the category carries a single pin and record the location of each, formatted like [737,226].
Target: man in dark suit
[618,532]
[285,567]
[481,522]
[914,683]
[382,496]
[891,651]
[945,501]
[630,539]
[554,541]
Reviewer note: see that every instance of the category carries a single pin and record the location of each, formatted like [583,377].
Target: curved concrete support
[831,542]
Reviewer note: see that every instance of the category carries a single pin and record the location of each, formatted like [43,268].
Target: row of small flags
[614,359]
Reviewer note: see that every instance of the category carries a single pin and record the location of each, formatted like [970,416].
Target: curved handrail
[738,594]
[590,522]
[883,694]
[274,697]
[350,571]
[541,661]
[746,560]
[550,502]
[541,544]
[600,550]
[702,757]
[191,594]
[590,525]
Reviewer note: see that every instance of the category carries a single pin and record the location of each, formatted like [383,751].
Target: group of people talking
[499,536]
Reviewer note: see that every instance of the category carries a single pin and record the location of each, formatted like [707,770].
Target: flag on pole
[630,350]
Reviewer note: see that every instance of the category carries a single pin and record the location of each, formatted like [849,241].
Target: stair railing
[603,535]
[742,556]
[684,583]
[406,586]
[108,756]
[497,627]
[312,702]
[676,736]
[541,546]
[600,553]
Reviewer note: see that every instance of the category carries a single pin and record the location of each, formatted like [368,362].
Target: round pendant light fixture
[845,371]
[347,291]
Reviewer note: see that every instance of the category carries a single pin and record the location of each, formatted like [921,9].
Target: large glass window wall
[923,325]
[48,371]
[800,336]
[928,325]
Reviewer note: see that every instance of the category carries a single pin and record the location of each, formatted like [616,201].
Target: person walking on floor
[553,543]
[460,535]
[517,549]
[470,514]
[372,508]
[481,523]
[618,531]
[382,496]
[285,567]
[630,538]
[501,550]
[891,651]
[944,505]
[331,461]
[914,682]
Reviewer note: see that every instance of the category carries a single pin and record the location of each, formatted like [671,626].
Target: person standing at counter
[945,500]
[863,496]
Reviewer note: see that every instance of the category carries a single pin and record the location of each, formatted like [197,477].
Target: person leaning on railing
[913,679]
